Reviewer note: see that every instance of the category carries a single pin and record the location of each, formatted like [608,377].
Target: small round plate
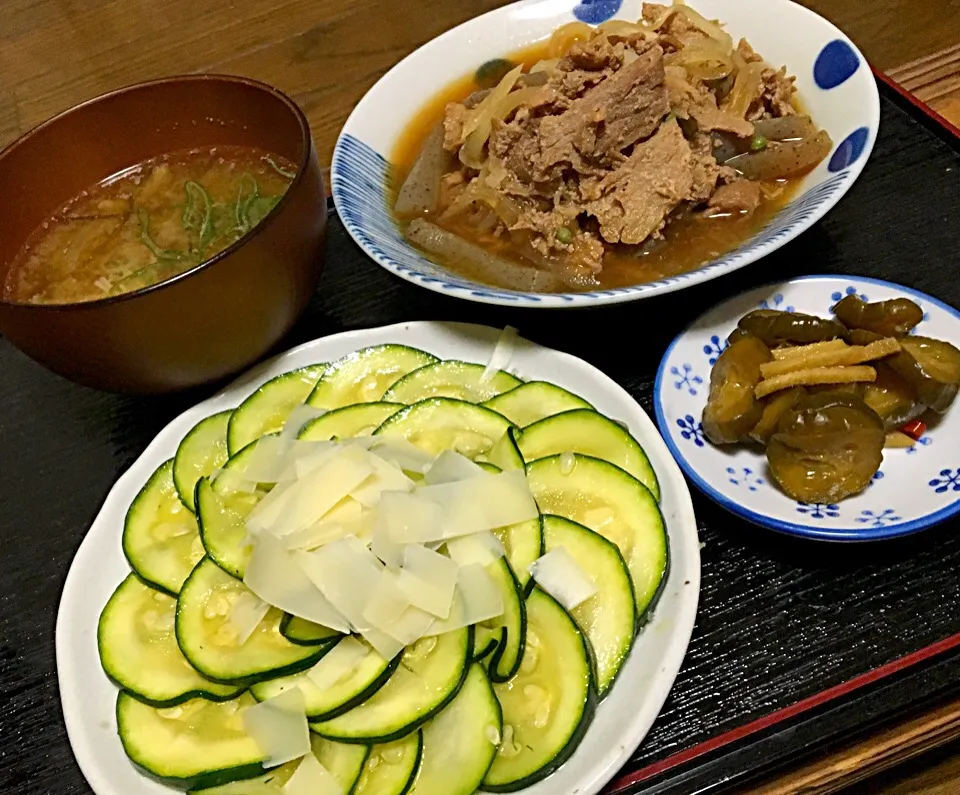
[623,718]
[914,488]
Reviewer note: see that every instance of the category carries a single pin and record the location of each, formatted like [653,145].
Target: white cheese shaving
[428,579]
[279,727]
[298,417]
[386,646]
[483,548]
[382,543]
[502,354]
[559,574]
[338,663]
[346,572]
[272,574]
[387,602]
[401,453]
[345,518]
[246,614]
[412,624]
[450,467]
[386,477]
[477,598]
[312,778]
[408,518]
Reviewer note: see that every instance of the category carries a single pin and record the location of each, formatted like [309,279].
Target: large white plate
[622,720]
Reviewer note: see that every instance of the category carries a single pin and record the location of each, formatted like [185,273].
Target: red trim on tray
[919,104]
[780,715]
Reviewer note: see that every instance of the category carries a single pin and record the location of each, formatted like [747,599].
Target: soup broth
[148,224]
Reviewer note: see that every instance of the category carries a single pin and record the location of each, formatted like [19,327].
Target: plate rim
[682,534]
[841,535]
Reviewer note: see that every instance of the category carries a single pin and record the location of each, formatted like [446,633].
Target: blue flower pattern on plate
[819,510]
[691,430]
[851,290]
[775,302]
[878,518]
[744,476]
[593,12]
[715,348]
[685,378]
[923,441]
[948,479]
[836,63]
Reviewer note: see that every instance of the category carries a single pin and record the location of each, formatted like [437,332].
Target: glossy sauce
[147,224]
[689,241]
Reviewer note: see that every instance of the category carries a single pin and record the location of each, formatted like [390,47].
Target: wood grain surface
[326,54]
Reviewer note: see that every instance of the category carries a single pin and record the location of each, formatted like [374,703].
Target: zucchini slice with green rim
[161,540]
[453,379]
[306,633]
[485,640]
[138,649]
[197,744]
[439,424]
[608,618]
[505,452]
[363,376]
[548,705]
[505,661]
[391,768]
[460,743]
[587,432]
[202,451]
[370,674]
[209,642]
[267,409]
[430,674]
[361,419]
[609,501]
[533,401]
[523,544]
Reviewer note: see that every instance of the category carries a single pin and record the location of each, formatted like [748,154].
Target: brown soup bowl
[210,321]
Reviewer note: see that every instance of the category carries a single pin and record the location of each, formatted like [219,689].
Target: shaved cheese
[266,460]
[339,662]
[298,417]
[246,614]
[409,518]
[559,574]
[345,518]
[502,354]
[412,624]
[272,574]
[387,602]
[346,572]
[483,548]
[428,579]
[279,727]
[386,646]
[401,453]
[382,542]
[231,480]
[273,504]
[477,598]
[312,778]
[450,467]
[386,477]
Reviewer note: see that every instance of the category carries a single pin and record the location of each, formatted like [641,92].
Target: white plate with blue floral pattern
[914,487]
[833,80]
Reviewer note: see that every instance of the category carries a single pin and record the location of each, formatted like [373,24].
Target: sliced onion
[783,160]
[706,60]
[621,28]
[566,36]
[478,123]
[745,88]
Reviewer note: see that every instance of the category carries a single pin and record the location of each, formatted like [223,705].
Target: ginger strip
[839,357]
[806,350]
[814,376]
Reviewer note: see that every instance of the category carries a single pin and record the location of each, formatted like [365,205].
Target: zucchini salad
[387,574]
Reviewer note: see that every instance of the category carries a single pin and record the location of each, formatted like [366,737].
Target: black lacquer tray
[797,647]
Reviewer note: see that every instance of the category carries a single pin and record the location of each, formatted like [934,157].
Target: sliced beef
[742,196]
[706,171]
[678,31]
[624,108]
[594,55]
[694,101]
[453,119]
[776,98]
[635,199]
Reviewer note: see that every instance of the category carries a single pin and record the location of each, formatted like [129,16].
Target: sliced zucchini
[512,624]
[439,424]
[306,633]
[486,466]
[608,618]
[585,431]
[430,674]
[505,453]
[161,540]
[210,643]
[453,379]
[138,648]
[270,783]
[533,401]
[607,500]
[548,705]
[361,419]
[197,744]
[267,409]
[485,640]
[523,543]
[367,678]
[363,376]
[391,768]
[460,743]
[202,451]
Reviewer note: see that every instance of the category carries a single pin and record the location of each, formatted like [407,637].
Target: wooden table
[54,53]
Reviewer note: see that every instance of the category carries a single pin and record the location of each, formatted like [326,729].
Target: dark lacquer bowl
[210,321]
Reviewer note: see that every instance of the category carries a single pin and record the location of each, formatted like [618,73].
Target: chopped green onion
[279,169]
[197,213]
